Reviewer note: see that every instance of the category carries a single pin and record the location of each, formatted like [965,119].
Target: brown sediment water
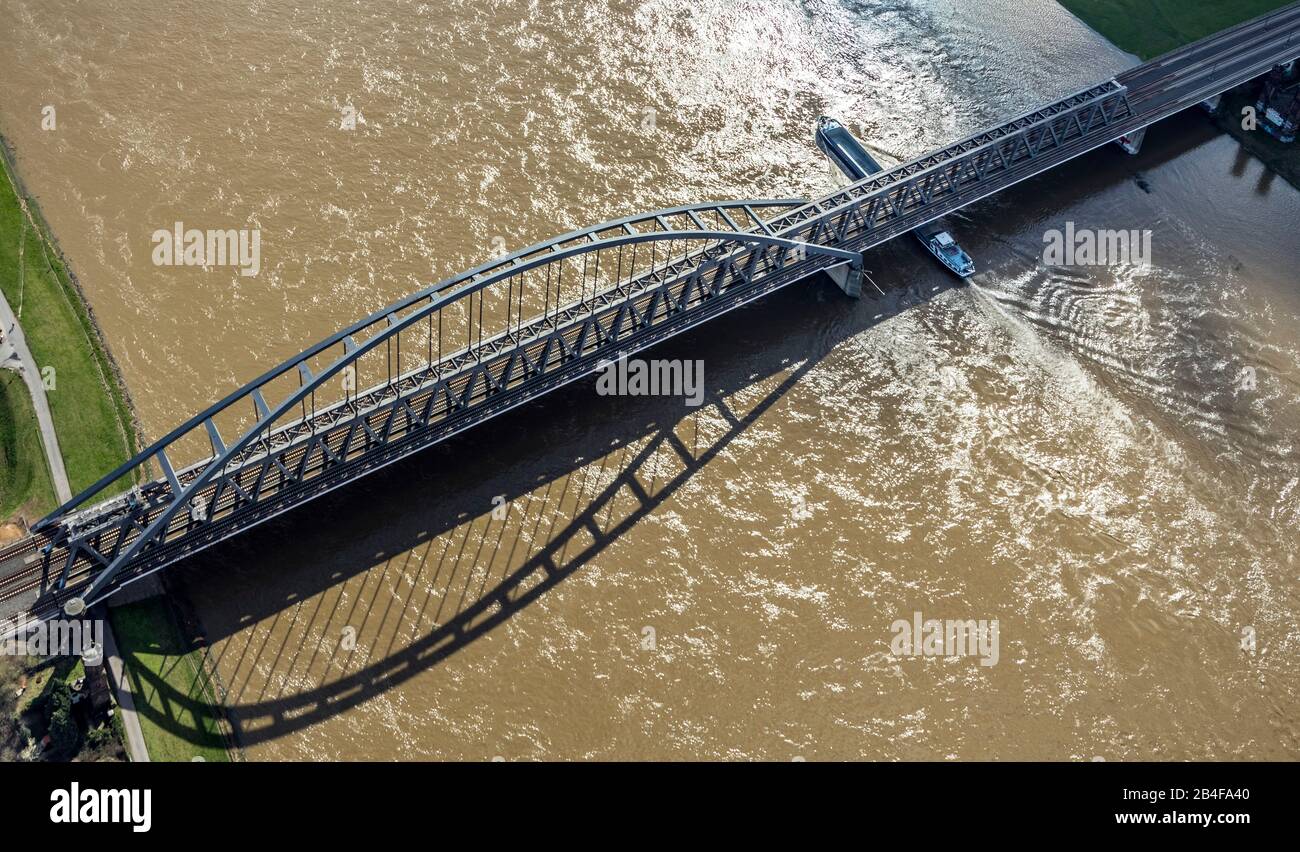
[1101,458]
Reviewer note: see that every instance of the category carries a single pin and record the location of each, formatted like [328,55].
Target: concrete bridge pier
[1132,142]
[848,277]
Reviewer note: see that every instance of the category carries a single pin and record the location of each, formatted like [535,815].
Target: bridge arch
[734,213]
[722,244]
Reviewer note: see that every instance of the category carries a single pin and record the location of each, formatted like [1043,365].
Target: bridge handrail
[287,366]
[187,492]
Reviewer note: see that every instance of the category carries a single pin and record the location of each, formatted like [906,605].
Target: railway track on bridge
[522,338]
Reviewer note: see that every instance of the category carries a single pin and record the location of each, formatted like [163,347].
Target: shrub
[64,733]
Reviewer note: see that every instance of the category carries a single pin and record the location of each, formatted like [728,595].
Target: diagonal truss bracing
[519,326]
[509,355]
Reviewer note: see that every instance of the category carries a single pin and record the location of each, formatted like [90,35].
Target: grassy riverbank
[25,487]
[1149,28]
[178,716]
[91,415]
[175,701]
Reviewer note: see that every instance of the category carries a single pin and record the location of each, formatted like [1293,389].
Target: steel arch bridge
[443,360]
[452,355]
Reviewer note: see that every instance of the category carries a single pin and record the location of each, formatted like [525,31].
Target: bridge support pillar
[96,686]
[1132,142]
[848,278]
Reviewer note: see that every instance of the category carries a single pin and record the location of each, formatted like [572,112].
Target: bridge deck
[504,333]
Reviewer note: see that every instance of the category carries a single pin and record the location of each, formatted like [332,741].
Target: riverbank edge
[111,378]
[1282,161]
[104,364]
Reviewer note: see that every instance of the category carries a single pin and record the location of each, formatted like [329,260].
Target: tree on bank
[65,736]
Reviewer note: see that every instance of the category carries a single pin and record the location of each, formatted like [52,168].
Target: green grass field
[173,697]
[24,475]
[90,411]
[1149,28]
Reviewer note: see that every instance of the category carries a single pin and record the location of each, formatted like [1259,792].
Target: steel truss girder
[613,318]
[951,177]
[862,215]
[118,515]
[739,216]
[881,200]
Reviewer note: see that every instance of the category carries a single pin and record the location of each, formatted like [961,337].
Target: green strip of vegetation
[25,486]
[1149,28]
[179,715]
[89,407]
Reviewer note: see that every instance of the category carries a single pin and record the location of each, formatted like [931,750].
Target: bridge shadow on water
[594,463]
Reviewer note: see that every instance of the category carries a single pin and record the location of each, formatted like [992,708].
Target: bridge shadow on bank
[573,472]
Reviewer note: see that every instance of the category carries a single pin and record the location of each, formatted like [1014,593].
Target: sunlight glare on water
[1067,450]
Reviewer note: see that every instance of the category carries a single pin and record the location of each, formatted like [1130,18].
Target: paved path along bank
[15,355]
[125,698]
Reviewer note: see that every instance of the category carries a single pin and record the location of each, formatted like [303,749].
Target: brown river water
[1103,459]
